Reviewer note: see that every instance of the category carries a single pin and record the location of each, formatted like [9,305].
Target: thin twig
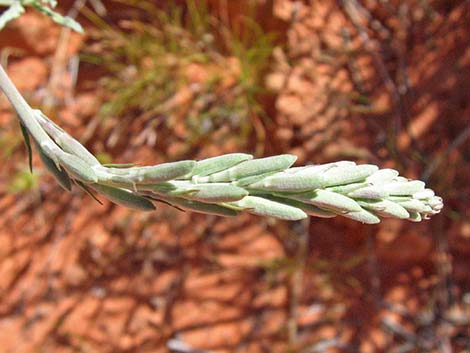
[351,8]
[460,139]
[60,58]
[374,270]
[296,280]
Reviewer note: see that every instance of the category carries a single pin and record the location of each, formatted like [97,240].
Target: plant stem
[25,113]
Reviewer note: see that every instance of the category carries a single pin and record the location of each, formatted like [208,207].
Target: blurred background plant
[23,181]
[189,78]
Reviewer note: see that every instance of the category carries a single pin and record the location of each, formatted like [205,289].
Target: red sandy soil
[76,276]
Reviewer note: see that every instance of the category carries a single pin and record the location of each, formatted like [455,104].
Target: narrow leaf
[319,168]
[290,182]
[415,217]
[76,167]
[436,203]
[423,195]
[416,206]
[119,165]
[309,209]
[369,192]
[253,167]
[242,182]
[330,201]
[154,174]
[346,189]
[27,142]
[263,207]
[348,174]
[124,197]
[59,174]
[211,193]
[216,164]
[72,146]
[64,140]
[404,188]
[363,216]
[382,176]
[200,207]
[87,190]
[385,208]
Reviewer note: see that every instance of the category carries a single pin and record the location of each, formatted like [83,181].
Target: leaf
[415,206]
[309,209]
[77,168]
[87,190]
[64,140]
[27,142]
[153,174]
[382,176]
[156,199]
[415,216]
[404,188]
[330,201]
[253,167]
[362,216]
[264,207]
[216,164]
[242,182]
[423,195]
[284,182]
[60,175]
[200,207]
[341,175]
[369,192]
[212,193]
[124,197]
[385,208]
[346,189]
[72,146]
[118,165]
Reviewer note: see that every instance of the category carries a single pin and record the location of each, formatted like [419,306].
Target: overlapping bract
[232,183]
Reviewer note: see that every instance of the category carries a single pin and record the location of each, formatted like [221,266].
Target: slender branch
[24,111]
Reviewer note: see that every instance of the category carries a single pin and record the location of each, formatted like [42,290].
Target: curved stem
[23,109]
